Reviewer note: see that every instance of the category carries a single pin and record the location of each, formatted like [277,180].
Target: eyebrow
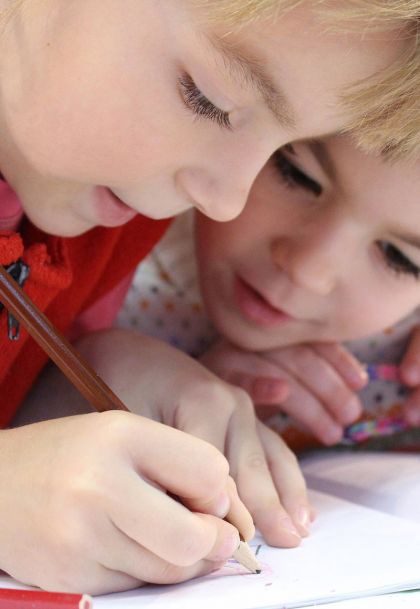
[251,70]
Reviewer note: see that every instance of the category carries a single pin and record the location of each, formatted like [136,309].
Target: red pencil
[37,599]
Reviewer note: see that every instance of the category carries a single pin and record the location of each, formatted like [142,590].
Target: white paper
[389,482]
[354,552]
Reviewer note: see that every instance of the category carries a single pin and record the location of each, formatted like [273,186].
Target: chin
[61,229]
[249,339]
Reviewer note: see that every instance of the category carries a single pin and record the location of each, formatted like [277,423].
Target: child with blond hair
[115,116]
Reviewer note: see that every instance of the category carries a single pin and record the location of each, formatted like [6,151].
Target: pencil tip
[258,571]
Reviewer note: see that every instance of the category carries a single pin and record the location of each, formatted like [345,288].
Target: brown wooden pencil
[74,366]
[59,349]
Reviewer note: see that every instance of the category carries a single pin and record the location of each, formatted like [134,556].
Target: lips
[111,211]
[255,308]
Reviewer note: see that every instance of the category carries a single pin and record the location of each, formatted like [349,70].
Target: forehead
[378,190]
[304,67]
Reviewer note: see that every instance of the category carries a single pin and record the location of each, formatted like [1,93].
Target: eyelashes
[397,261]
[294,177]
[198,103]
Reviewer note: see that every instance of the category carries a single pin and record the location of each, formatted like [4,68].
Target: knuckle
[114,424]
[214,394]
[256,461]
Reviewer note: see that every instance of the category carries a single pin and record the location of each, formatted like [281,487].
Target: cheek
[375,312]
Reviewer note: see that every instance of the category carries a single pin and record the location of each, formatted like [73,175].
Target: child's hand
[81,505]
[410,375]
[176,390]
[313,383]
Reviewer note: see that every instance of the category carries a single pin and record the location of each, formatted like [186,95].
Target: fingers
[410,375]
[205,411]
[321,388]
[166,528]
[178,462]
[410,365]
[261,389]
[288,479]
[348,367]
[303,406]
[238,516]
[250,371]
[142,565]
[254,480]
[411,408]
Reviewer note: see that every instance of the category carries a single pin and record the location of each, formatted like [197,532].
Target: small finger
[410,365]
[164,526]
[411,408]
[255,483]
[305,408]
[262,389]
[132,559]
[327,386]
[288,479]
[345,363]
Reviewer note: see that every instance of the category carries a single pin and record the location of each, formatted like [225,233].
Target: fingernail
[358,377]
[222,505]
[287,524]
[303,518]
[332,435]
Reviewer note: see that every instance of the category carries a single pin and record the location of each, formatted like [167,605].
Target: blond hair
[385,109]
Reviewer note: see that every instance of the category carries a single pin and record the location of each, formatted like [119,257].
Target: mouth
[111,210]
[255,308]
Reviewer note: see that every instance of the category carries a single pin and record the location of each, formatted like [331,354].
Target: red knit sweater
[66,277]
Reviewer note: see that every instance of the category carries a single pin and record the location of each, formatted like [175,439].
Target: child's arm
[315,384]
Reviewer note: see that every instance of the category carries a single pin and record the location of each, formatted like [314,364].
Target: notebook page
[389,482]
[352,552]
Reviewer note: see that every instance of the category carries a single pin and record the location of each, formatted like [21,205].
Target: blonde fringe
[385,111]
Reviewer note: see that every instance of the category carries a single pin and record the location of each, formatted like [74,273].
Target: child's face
[103,96]
[327,248]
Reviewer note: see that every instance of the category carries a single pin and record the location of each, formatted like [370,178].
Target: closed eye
[292,176]
[200,105]
[397,261]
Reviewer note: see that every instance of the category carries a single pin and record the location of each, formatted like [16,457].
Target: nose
[314,260]
[221,201]
[219,187]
